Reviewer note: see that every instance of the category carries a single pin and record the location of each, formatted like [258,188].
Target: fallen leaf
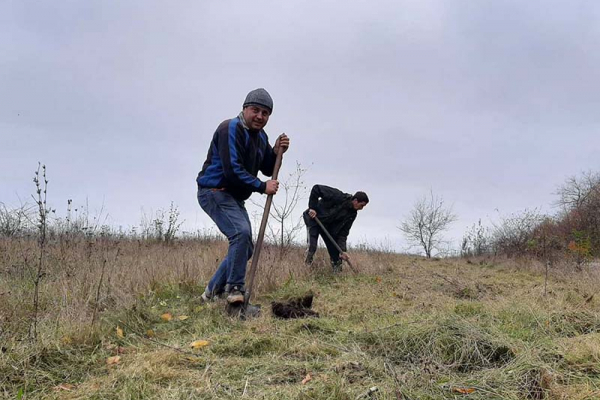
[166,317]
[370,392]
[198,344]
[113,360]
[197,309]
[463,390]
[64,386]
[150,333]
[67,340]
[120,332]
[182,317]
[306,379]
[378,279]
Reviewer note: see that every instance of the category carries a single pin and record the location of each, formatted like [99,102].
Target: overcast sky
[490,104]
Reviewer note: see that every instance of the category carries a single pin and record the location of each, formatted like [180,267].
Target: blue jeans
[231,218]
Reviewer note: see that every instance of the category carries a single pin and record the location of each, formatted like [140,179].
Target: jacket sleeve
[232,151]
[325,193]
[344,232]
[268,162]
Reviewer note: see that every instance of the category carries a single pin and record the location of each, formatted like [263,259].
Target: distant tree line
[572,233]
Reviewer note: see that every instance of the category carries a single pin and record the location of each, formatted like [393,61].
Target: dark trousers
[313,230]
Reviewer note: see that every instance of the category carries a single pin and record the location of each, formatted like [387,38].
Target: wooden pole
[261,233]
[334,242]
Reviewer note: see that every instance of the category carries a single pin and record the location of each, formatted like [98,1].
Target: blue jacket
[234,158]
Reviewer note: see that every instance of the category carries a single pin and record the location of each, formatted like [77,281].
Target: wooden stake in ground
[334,243]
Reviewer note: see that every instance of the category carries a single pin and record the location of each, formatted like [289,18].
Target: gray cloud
[490,104]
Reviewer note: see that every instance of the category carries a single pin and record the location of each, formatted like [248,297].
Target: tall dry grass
[85,277]
[411,327]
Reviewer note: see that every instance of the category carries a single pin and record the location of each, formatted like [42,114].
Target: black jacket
[334,209]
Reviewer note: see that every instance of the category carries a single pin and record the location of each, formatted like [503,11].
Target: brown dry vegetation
[84,277]
[409,327]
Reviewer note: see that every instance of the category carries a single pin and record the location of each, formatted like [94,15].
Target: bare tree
[283,228]
[577,191]
[426,223]
[579,199]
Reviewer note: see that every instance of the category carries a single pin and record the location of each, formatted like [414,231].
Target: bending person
[337,211]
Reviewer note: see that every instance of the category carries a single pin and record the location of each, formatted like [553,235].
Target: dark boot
[337,266]
[309,259]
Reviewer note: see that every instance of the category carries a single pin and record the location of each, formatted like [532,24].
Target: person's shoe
[236,295]
[337,266]
[309,260]
[207,296]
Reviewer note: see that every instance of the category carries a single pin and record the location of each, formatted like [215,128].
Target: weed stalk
[41,185]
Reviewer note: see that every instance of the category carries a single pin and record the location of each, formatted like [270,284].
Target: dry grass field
[116,320]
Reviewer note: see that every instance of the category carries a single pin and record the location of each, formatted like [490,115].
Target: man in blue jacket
[336,211]
[239,149]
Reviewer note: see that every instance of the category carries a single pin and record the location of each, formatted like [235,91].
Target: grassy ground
[404,328]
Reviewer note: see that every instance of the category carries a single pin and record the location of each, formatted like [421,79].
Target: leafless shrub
[514,234]
[283,228]
[163,226]
[79,222]
[17,221]
[476,241]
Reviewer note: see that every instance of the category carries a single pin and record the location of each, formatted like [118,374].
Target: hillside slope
[404,328]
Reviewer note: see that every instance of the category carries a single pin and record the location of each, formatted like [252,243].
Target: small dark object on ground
[294,308]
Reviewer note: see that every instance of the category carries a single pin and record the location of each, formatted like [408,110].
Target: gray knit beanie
[259,97]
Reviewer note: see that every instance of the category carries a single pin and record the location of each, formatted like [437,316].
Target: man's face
[358,205]
[256,117]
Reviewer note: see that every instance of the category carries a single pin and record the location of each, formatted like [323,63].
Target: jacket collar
[242,120]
